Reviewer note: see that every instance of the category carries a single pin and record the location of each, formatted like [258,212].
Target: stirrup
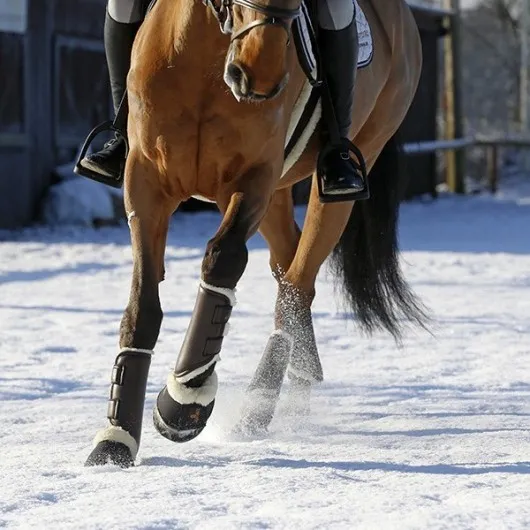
[85,172]
[359,195]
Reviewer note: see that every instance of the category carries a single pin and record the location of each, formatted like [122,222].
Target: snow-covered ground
[435,435]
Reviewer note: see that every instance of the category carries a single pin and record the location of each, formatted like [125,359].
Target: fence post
[492,159]
[455,160]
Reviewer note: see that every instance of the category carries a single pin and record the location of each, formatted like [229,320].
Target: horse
[189,136]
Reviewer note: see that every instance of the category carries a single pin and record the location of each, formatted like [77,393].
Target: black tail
[366,257]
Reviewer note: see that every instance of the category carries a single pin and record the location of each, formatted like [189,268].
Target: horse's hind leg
[149,212]
[295,261]
[185,404]
[323,227]
[282,234]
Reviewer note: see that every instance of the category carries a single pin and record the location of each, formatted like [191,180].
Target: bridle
[275,16]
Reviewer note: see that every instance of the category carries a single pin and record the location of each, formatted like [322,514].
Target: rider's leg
[338,43]
[122,21]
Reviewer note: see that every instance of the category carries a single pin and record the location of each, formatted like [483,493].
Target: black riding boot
[341,178]
[107,165]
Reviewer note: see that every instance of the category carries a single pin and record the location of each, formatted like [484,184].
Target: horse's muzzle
[240,83]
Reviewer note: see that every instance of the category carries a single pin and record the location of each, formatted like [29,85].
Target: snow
[78,201]
[433,435]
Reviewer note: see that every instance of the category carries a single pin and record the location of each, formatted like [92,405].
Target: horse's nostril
[238,77]
[234,73]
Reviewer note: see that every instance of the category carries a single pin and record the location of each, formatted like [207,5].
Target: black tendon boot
[341,178]
[186,402]
[119,442]
[108,164]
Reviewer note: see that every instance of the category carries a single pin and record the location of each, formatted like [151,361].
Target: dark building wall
[420,122]
[53,89]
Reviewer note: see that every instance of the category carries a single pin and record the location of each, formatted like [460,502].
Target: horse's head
[256,63]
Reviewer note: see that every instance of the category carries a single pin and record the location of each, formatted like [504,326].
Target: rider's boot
[107,165]
[341,178]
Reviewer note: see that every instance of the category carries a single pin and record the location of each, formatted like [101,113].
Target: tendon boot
[118,444]
[186,402]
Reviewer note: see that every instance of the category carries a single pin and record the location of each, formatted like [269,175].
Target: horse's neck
[195,28]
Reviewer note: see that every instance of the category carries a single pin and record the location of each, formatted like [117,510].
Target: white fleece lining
[184,395]
[137,350]
[261,394]
[306,376]
[286,336]
[197,371]
[229,293]
[117,434]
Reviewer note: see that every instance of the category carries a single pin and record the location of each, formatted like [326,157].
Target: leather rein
[274,16]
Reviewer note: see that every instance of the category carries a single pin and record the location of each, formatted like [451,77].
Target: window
[11,83]
[82,95]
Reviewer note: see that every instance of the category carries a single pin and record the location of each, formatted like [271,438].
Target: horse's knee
[224,261]
[140,325]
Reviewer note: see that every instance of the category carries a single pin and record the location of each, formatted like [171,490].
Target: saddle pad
[307,111]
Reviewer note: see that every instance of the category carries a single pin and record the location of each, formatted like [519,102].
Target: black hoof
[177,422]
[113,453]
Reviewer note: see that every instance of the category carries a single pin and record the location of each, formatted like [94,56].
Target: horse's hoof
[297,407]
[251,428]
[298,398]
[258,411]
[109,452]
[180,422]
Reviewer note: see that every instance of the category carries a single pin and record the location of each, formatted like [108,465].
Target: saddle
[307,113]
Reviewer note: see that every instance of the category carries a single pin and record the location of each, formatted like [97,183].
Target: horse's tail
[367,258]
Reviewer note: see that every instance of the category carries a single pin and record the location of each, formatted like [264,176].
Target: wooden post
[492,158]
[454,127]
[523,81]
[39,55]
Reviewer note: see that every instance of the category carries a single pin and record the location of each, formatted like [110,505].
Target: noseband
[275,16]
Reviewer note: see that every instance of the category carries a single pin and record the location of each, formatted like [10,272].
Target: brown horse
[190,136]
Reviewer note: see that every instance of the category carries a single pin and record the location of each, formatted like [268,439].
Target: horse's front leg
[186,402]
[149,212]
